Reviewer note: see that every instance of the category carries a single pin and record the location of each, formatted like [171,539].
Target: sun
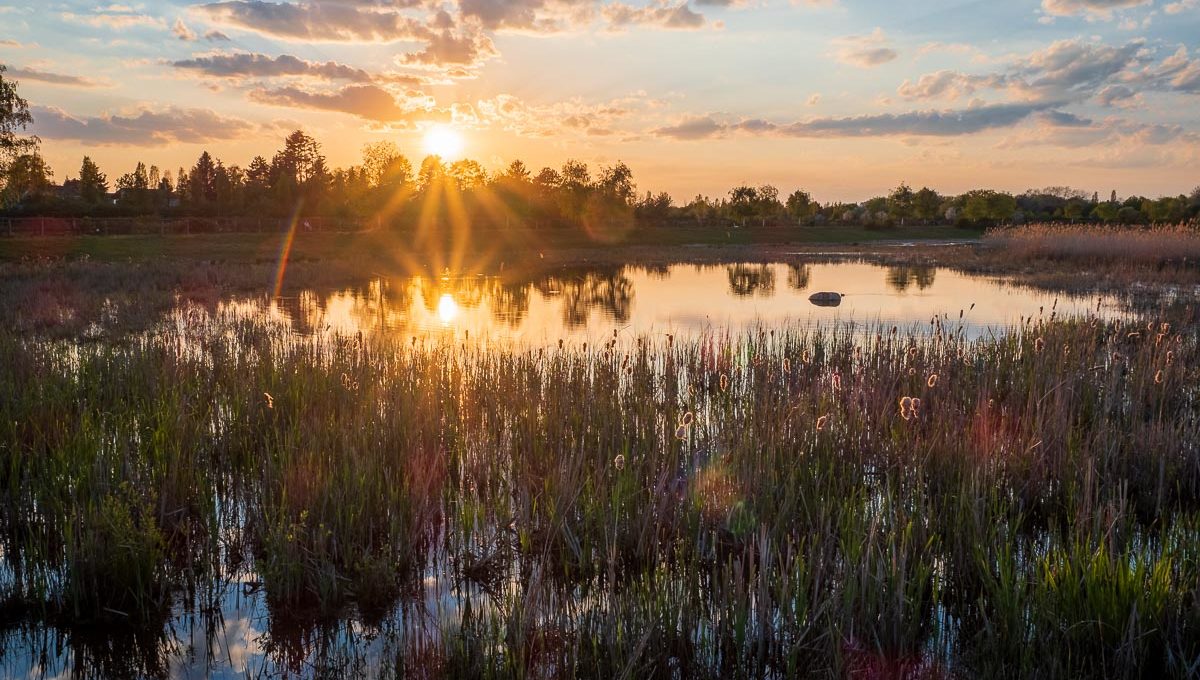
[443,141]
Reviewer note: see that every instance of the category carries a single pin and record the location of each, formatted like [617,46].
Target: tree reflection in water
[608,290]
[799,276]
[900,278]
[747,280]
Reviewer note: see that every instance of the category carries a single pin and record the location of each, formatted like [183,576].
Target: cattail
[1170,357]
[681,432]
[270,400]
[932,380]
[619,461]
[1039,345]
[821,422]
[724,382]
[560,343]
[1158,377]
[837,382]
[687,419]
[787,366]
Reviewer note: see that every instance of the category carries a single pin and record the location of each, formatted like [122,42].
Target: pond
[679,299]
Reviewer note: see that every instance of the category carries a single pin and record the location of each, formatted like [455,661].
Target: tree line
[385,185]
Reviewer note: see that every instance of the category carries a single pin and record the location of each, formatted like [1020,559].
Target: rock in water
[826,299]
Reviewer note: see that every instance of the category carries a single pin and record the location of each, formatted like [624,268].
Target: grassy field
[774,504]
[381,248]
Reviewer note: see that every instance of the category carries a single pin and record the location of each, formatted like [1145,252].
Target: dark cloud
[144,128]
[365,101]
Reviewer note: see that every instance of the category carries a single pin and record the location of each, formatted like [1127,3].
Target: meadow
[787,502]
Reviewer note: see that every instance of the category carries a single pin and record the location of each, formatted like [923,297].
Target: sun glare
[447,309]
[443,141]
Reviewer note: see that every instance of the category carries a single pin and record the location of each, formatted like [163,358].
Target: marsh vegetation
[777,502]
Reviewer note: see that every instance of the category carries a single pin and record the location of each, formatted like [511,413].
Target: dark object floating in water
[825,299]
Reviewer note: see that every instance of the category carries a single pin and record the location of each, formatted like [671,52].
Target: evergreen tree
[93,184]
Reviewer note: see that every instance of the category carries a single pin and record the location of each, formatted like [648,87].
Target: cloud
[365,101]
[1093,8]
[864,51]
[450,48]
[182,32]
[949,85]
[1181,6]
[1066,70]
[931,123]
[692,127]
[1071,68]
[144,127]
[244,65]
[325,22]
[532,16]
[116,17]
[1119,96]
[55,78]
[215,36]
[659,13]
[1067,131]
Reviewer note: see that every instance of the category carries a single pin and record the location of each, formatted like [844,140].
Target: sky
[844,98]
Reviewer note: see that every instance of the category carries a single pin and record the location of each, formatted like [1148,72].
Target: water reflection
[798,276]
[902,277]
[677,298]
[750,280]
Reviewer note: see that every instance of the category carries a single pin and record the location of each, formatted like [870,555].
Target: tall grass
[780,503]
[1127,244]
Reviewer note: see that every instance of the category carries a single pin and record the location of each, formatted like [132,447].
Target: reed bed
[874,502]
[1129,245]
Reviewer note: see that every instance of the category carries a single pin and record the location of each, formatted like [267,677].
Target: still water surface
[679,299]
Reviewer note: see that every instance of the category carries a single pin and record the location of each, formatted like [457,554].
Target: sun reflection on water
[447,309]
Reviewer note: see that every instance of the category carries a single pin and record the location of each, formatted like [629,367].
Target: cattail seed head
[619,462]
